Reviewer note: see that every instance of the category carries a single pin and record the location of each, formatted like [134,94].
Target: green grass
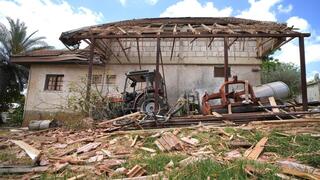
[296,147]
[153,164]
[209,168]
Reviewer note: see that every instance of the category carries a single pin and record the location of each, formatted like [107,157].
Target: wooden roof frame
[188,27]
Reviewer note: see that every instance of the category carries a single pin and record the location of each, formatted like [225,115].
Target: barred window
[219,71]
[54,82]
[111,79]
[97,79]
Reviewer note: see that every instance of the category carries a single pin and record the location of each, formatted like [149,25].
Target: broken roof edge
[116,29]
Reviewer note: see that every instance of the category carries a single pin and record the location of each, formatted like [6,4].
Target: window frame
[58,82]
[218,74]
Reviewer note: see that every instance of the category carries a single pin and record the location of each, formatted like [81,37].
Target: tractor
[139,93]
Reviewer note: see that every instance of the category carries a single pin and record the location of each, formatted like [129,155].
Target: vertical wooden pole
[226,63]
[156,81]
[303,74]
[89,78]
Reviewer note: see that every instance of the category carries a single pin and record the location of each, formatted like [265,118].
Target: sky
[51,17]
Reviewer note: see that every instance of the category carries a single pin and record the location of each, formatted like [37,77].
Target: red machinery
[235,98]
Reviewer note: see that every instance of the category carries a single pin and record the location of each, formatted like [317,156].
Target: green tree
[14,40]
[289,73]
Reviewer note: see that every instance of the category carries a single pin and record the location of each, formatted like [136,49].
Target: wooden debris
[148,149]
[80,176]
[300,170]
[32,152]
[254,153]
[215,114]
[58,167]
[136,171]
[22,169]
[191,141]
[96,158]
[158,176]
[88,147]
[238,144]
[235,154]
[273,103]
[168,142]
[134,140]
[132,115]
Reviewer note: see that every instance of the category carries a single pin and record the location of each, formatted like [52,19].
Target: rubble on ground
[96,153]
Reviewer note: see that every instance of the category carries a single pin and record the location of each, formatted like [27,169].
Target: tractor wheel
[148,105]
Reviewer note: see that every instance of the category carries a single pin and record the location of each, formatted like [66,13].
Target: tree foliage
[15,40]
[289,73]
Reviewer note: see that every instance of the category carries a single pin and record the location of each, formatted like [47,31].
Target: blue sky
[51,17]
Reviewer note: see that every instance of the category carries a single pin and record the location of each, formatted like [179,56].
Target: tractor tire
[148,105]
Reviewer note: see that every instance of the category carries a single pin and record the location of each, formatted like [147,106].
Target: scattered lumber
[134,140]
[291,123]
[215,114]
[132,115]
[189,140]
[238,144]
[58,167]
[254,153]
[158,176]
[22,169]
[299,170]
[148,149]
[88,147]
[136,171]
[168,142]
[32,152]
[80,176]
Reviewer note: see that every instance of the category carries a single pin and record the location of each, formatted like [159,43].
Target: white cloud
[260,10]
[298,22]
[49,17]
[194,8]
[123,2]
[283,9]
[151,2]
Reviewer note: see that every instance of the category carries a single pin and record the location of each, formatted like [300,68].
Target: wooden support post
[303,74]
[89,78]
[138,49]
[156,94]
[226,63]
[174,40]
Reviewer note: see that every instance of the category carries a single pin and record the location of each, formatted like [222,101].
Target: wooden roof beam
[193,30]
[123,50]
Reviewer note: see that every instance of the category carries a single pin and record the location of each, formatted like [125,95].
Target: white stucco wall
[192,67]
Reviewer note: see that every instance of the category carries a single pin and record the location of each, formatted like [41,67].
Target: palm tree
[13,41]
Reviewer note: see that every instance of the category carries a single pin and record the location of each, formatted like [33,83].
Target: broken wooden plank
[32,152]
[80,176]
[136,171]
[158,176]
[148,149]
[134,140]
[88,147]
[300,170]
[22,169]
[273,103]
[215,114]
[257,150]
[168,142]
[121,118]
[189,140]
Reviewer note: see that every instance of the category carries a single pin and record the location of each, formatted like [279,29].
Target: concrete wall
[192,67]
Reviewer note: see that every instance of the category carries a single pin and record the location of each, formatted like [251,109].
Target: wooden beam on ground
[255,152]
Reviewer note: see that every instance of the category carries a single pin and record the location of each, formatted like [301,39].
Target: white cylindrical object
[278,90]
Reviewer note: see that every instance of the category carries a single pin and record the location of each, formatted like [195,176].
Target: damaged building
[190,53]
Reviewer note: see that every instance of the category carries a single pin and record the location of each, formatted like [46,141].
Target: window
[53,82]
[97,79]
[219,71]
[111,79]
